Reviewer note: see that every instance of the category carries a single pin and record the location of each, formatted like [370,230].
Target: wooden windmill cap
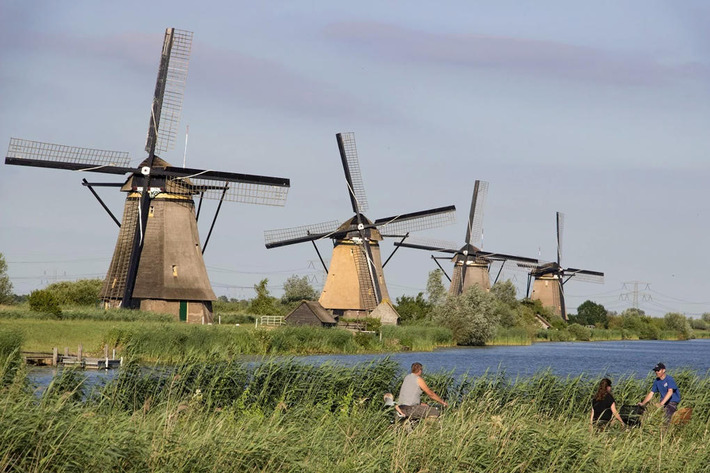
[172,186]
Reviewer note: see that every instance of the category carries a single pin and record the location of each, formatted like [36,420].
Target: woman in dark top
[604,406]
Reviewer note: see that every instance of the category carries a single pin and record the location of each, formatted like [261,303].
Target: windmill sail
[169,91]
[417,221]
[474,229]
[351,168]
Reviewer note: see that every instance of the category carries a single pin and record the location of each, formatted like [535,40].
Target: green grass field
[174,342]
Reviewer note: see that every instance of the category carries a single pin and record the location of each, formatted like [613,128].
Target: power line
[635,293]
[679,300]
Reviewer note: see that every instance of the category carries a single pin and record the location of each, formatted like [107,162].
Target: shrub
[678,323]
[555,335]
[579,332]
[698,324]
[413,309]
[45,301]
[649,332]
[471,316]
[81,292]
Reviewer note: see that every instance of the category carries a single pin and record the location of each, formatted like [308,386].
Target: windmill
[157,264]
[471,263]
[355,284]
[550,278]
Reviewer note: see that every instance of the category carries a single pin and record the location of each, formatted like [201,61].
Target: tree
[706,317]
[263,303]
[6,296]
[45,301]
[507,305]
[298,289]
[413,309]
[679,324]
[81,292]
[505,293]
[591,313]
[435,290]
[471,316]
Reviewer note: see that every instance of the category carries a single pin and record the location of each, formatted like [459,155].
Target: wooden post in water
[113,356]
[66,351]
[55,356]
[79,353]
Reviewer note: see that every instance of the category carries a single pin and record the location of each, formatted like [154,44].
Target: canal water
[593,359]
[614,358]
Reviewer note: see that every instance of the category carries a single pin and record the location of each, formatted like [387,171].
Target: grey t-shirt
[410,394]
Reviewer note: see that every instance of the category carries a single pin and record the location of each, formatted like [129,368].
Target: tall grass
[85,313]
[417,337]
[512,336]
[283,416]
[10,356]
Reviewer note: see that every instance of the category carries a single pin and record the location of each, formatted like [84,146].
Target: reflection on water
[629,358]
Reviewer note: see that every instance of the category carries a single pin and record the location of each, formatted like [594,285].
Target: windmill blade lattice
[560,230]
[351,166]
[283,235]
[505,257]
[532,266]
[20,149]
[474,231]
[416,221]
[429,244]
[585,275]
[231,187]
[169,92]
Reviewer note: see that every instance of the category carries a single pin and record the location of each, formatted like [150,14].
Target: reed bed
[281,416]
[512,336]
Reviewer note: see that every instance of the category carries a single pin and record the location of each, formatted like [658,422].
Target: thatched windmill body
[471,264]
[157,263]
[549,278]
[355,284]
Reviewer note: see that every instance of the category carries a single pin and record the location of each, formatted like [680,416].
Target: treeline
[477,317]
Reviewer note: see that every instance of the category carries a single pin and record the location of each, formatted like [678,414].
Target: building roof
[317,310]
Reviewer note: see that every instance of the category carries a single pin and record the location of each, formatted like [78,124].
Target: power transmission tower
[313,278]
[634,293]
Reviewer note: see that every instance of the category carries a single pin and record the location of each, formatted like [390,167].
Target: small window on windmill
[151,212]
[175,270]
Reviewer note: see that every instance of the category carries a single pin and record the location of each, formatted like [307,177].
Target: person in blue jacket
[667,388]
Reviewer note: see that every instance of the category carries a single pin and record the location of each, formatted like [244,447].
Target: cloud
[232,77]
[504,53]
[257,82]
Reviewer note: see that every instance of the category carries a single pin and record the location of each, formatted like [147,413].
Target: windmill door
[183,311]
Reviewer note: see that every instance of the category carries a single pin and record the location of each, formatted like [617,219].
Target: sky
[599,110]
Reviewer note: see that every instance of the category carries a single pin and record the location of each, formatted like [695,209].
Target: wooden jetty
[78,360]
